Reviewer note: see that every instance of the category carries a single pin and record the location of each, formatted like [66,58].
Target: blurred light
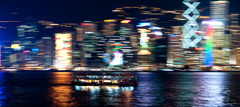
[209,46]
[35,50]
[158,33]
[53,24]
[89,32]
[13,46]
[26,51]
[109,20]
[116,44]
[115,10]
[63,51]
[199,49]
[144,52]
[125,21]
[117,60]
[86,24]
[155,28]
[221,1]
[213,23]
[142,24]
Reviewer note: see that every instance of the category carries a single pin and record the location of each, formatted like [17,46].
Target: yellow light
[109,20]
[107,81]
[144,52]
[15,46]
[63,51]
[126,21]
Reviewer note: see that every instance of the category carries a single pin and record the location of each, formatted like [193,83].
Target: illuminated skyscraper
[190,38]
[63,51]
[144,54]
[221,41]
[46,51]
[234,29]
[219,11]
[175,50]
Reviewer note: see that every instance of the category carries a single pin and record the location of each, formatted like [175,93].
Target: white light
[214,23]
[157,33]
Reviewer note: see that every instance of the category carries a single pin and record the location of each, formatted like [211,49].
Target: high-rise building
[63,51]
[175,56]
[46,52]
[218,23]
[234,29]
[91,53]
[190,37]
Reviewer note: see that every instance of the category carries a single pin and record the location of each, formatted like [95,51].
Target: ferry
[105,79]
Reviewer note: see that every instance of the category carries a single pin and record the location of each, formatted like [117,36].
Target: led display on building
[144,42]
[63,51]
[117,60]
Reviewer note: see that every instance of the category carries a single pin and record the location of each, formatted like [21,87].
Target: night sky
[78,10]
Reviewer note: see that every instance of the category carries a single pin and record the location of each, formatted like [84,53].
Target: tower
[221,41]
[190,38]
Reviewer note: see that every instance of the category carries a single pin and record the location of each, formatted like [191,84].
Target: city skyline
[142,37]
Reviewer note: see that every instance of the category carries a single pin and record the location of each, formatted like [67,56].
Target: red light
[116,44]
[86,24]
[199,49]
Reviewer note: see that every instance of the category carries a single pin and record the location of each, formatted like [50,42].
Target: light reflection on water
[61,95]
[111,95]
[2,94]
[154,89]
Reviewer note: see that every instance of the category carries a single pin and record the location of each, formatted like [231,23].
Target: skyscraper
[219,21]
[190,38]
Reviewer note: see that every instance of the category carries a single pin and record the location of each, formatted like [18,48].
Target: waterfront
[155,89]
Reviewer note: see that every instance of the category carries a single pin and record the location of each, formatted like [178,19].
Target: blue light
[145,24]
[35,50]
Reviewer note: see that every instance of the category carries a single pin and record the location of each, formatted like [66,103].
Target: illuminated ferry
[105,79]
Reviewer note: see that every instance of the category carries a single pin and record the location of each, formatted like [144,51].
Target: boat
[105,79]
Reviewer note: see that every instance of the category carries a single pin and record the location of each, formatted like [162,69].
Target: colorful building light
[125,21]
[26,51]
[13,46]
[209,46]
[109,20]
[144,52]
[117,60]
[63,51]
[144,39]
[213,23]
[199,49]
[35,50]
[86,24]
[115,44]
[142,24]
[0,55]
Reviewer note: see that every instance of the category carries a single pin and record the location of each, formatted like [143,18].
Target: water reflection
[110,89]
[155,89]
[108,95]
[61,95]
[210,89]
[2,94]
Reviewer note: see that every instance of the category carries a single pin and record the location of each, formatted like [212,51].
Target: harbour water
[45,89]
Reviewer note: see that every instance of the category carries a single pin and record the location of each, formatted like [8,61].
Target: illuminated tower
[219,11]
[221,42]
[190,38]
[144,54]
[63,51]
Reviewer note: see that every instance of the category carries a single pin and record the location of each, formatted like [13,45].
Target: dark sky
[77,10]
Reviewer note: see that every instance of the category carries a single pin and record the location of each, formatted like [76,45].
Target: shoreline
[110,71]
